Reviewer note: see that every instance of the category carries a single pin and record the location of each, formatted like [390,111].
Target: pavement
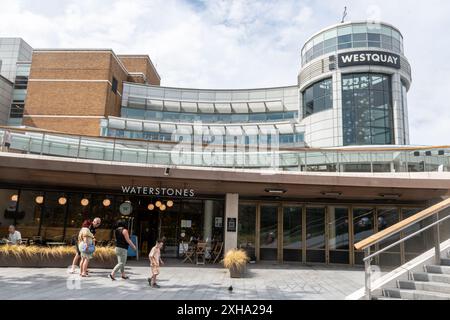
[263,281]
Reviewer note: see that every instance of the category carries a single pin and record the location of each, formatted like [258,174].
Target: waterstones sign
[376,58]
[162,192]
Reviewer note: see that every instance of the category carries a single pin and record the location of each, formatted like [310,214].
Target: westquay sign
[375,58]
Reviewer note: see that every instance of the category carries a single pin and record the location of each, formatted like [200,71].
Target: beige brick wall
[86,126]
[141,64]
[52,91]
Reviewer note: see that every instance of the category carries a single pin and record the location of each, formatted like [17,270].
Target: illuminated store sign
[150,191]
[376,58]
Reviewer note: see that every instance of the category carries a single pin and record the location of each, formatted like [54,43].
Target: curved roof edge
[350,23]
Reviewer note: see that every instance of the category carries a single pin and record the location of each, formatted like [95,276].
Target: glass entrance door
[269,232]
[292,234]
[338,235]
[315,235]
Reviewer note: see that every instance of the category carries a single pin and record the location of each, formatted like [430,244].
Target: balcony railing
[350,160]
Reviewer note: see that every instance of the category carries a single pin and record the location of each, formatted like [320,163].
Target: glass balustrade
[240,156]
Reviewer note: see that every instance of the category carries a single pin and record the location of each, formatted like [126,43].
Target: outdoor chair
[190,254]
[217,251]
[200,253]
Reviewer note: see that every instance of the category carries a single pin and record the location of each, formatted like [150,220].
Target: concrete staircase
[433,283]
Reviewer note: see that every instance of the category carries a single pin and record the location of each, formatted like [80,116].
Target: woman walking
[86,247]
[122,242]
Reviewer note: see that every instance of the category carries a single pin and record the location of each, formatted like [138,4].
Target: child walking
[155,262]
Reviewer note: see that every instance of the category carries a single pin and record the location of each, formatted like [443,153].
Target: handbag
[85,248]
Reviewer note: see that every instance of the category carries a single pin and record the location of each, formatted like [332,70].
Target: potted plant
[236,261]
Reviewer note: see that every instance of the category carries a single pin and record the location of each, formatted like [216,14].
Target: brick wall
[75,84]
[141,64]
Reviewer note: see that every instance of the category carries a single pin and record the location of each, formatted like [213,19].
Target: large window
[318,97]
[367,109]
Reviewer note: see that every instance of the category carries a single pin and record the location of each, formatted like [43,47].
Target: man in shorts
[155,262]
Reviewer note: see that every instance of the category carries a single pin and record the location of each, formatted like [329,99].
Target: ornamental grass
[23,252]
[236,259]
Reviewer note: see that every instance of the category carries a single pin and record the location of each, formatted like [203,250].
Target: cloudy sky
[243,44]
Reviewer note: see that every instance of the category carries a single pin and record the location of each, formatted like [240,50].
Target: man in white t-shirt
[7,139]
[14,236]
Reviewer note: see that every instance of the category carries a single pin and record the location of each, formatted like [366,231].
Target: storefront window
[172,229]
[106,208]
[78,211]
[54,216]
[29,213]
[246,228]
[191,219]
[269,232]
[339,235]
[292,234]
[8,206]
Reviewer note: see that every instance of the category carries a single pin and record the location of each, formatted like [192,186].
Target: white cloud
[239,44]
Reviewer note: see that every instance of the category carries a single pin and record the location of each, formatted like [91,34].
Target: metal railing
[345,160]
[396,229]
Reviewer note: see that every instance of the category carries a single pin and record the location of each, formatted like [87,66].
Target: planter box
[39,261]
[237,273]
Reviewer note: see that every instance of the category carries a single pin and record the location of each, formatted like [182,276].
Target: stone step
[434,287]
[437,269]
[445,262]
[414,294]
[430,277]
[385,298]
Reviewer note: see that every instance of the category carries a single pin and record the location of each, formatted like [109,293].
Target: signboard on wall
[218,222]
[158,191]
[374,58]
[186,223]
[231,224]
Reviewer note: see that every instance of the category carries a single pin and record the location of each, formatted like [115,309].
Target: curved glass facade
[353,35]
[318,97]
[134,112]
[367,109]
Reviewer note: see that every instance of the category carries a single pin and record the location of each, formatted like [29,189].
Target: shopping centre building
[291,174]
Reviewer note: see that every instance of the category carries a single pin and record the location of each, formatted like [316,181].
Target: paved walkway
[185,282]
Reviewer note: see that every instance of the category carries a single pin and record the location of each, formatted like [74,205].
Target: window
[115,85]
[367,109]
[318,97]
